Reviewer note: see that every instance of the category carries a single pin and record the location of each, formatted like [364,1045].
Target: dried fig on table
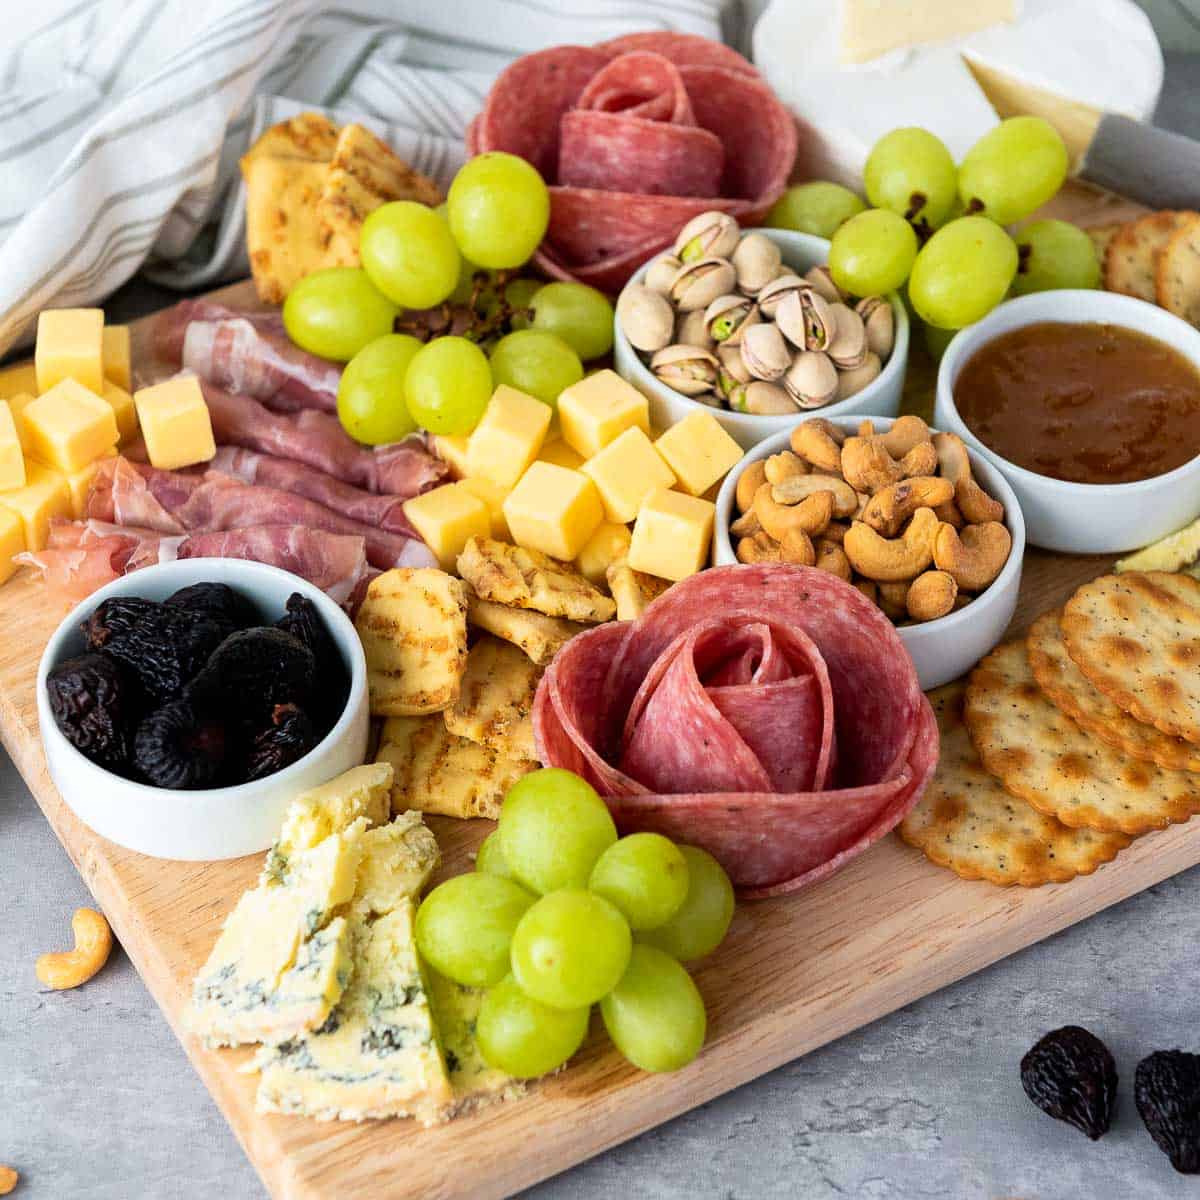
[1166,1090]
[1071,1076]
[94,706]
[178,746]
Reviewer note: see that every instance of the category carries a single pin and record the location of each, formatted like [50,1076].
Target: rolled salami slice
[640,83]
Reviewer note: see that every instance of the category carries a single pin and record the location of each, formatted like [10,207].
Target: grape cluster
[561,914]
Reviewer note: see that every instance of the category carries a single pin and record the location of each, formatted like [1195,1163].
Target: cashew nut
[835,532]
[976,506]
[949,513]
[866,428]
[8,1180]
[975,556]
[867,466]
[887,510]
[816,445]
[70,968]
[749,481]
[922,459]
[747,525]
[905,433]
[893,560]
[787,465]
[869,588]
[893,600]
[757,549]
[792,491]
[832,558]
[931,595]
[797,547]
[810,515]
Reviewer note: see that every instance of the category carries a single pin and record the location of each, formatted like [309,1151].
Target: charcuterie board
[794,973]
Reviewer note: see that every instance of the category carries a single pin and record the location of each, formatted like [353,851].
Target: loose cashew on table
[70,968]
[8,1180]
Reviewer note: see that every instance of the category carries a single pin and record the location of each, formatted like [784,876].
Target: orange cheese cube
[45,495]
[609,543]
[68,427]
[699,451]
[508,437]
[12,542]
[448,518]
[114,340]
[672,536]
[17,405]
[18,379]
[70,345]
[626,471]
[553,510]
[12,458]
[124,409]
[175,423]
[493,495]
[453,451]
[559,454]
[598,408]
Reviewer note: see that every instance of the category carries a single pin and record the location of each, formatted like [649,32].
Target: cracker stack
[1155,258]
[1067,744]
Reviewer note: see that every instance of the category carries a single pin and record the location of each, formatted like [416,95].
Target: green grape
[465,926]
[580,315]
[553,827]
[409,253]
[370,401]
[490,857]
[872,253]
[1055,254]
[655,1015]
[538,363]
[909,171]
[570,948]
[1013,169]
[645,876]
[523,1038]
[336,312]
[936,341]
[465,286]
[701,923]
[818,208]
[499,208]
[962,272]
[448,385]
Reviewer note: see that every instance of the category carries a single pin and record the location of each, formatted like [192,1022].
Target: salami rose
[767,713]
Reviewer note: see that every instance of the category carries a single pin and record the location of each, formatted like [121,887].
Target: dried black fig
[178,747]
[91,702]
[288,738]
[303,622]
[217,601]
[115,618]
[254,670]
[1071,1075]
[1166,1090]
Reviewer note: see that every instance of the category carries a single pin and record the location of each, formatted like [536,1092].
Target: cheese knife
[1153,166]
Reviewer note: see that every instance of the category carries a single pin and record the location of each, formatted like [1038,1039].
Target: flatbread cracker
[307,135]
[540,637]
[967,822]
[1042,756]
[1177,278]
[495,703]
[1070,690]
[1136,636]
[1131,261]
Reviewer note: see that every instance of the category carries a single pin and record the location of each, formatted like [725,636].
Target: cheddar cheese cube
[453,451]
[68,427]
[70,345]
[699,451]
[560,454]
[508,437]
[604,547]
[493,495]
[553,510]
[448,518]
[18,379]
[114,341]
[175,423]
[45,495]
[12,542]
[121,402]
[672,536]
[597,409]
[12,457]
[17,405]
[625,472]
[79,483]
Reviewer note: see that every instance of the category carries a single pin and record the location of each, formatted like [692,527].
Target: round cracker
[966,821]
[1131,259]
[1177,275]
[1041,755]
[1136,636]
[1070,690]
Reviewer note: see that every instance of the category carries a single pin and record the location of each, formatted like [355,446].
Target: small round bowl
[217,822]
[950,646]
[1081,518]
[801,252]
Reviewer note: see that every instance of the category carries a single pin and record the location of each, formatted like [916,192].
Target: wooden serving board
[794,973]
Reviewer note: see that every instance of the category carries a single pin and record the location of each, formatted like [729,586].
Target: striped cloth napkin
[121,121]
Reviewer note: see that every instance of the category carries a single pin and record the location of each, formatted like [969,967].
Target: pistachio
[805,318]
[770,298]
[698,283]
[848,346]
[756,261]
[645,317]
[812,379]
[764,352]
[660,273]
[687,369]
[712,234]
[691,330]
[761,399]
[727,316]
[877,315]
[733,371]
[851,382]
[821,279]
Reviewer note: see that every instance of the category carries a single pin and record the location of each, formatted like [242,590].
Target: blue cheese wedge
[397,862]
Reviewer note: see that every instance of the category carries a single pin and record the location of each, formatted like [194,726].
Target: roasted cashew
[8,1180]
[866,428]
[893,560]
[70,968]
[906,432]
[867,466]
[893,599]
[931,595]
[949,513]
[797,547]
[792,491]
[832,558]
[810,515]
[887,510]
[835,532]
[758,549]
[747,525]
[869,588]
[973,502]
[749,481]
[836,432]
[816,445]
[922,459]
[974,557]
[784,466]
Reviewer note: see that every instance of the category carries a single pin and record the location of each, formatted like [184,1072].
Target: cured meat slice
[683,49]
[639,83]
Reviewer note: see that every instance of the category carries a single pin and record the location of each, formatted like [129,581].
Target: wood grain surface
[794,973]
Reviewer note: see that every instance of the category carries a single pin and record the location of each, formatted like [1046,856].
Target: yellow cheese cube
[448,518]
[560,454]
[68,427]
[70,345]
[18,379]
[493,495]
[17,405]
[44,495]
[625,472]
[114,340]
[12,458]
[175,423]
[605,546]
[121,402]
[598,408]
[553,510]
[12,542]
[508,437]
[672,536]
[452,450]
[79,483]
[699,451]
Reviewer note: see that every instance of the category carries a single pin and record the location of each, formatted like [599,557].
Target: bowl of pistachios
[750,326]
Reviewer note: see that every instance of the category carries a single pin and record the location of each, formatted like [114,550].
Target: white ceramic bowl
[950,646]
[801,252]
[217,822]
[1081,518]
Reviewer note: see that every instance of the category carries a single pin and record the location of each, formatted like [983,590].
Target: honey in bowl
[1085,403]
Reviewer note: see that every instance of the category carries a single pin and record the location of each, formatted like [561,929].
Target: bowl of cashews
[929,531]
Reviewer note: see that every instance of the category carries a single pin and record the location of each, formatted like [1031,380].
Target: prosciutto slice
[767,713]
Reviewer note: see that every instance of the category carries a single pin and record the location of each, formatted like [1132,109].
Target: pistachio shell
[712,234]
[762,399]
[764,352]
[733,369]
[812,379]
[645,317]
[728,316]
[691,330]
[851,382]
[805,319]
[822,282]
[687,369]
[877,315]
[660,273]
[697,284]
[770,298]
[756,261]
[848,346]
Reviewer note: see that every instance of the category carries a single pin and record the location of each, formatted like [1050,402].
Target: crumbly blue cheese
[397,862]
